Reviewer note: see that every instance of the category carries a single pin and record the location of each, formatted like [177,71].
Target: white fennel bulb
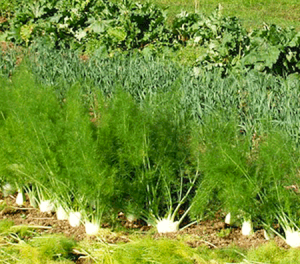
[228,219]
[247,228]
[33,201]
[7,189]
[166,225]
[61,214]
[131,218]
[91,229]
[292,238]
[20,198]
[268,234]
[46,206]
[74,219]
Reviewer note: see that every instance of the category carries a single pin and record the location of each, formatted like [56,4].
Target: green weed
[5,226]
[53,246]
[271,253]
[224,232]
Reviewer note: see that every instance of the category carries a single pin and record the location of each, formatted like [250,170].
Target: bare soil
[216,234]
[213,233]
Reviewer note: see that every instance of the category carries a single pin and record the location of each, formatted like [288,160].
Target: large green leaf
[118,33]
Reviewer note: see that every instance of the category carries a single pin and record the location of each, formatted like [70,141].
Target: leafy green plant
[273,49]
[222,39]
[28,141]
[104,28]
[249,177]
[151,138]
[223,159]
[92,23]
[224,232]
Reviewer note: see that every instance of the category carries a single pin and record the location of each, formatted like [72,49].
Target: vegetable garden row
[95,121]
[93,139]
[105,28]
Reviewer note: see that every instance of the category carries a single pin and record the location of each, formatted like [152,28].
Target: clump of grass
[53,246]
[22,232]
[230,254]
[148,250]
[145,251]
[271,253]
[20,245]
[5,226]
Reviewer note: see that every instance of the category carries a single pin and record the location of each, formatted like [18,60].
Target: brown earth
[216,234]
[213,233]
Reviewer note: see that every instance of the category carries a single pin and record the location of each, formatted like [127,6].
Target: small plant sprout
[131,214]
[268,234]
[33,201]
[247,228]
[131,217]
[228,219]
[32,194]
[75,219]
[224,232]
[20,198]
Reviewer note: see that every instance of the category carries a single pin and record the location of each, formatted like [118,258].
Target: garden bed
[213,233]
